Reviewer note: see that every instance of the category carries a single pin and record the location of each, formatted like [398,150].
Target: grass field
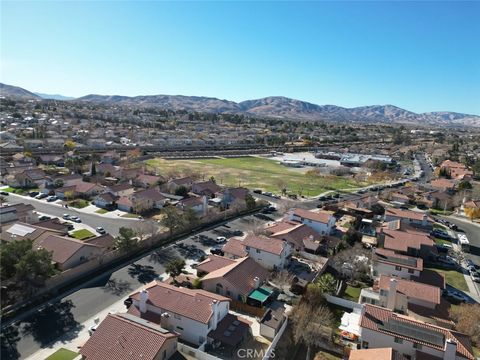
[78,203]
[453,278]
[62,354]
[82,234]
[253,173]
[352,293]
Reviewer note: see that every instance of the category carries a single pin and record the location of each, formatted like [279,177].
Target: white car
[221,239]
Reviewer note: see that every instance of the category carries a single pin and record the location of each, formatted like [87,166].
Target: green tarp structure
[261,294]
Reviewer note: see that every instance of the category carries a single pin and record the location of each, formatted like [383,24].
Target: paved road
[109,224]
[473,233]
[66,315]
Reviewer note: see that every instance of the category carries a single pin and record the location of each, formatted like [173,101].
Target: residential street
[110,225]
[66,315]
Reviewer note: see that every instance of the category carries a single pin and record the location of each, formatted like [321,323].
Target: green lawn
[352,293]
[19,191]
[130,216]
[78,203]
[453,278]
[253,173]
[62,354]
[82,234]
[442,241]
[440,212]
[101,211]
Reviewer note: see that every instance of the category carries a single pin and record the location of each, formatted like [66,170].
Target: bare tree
[281,279]
[352,263]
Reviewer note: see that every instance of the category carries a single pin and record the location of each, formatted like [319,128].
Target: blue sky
[422,56]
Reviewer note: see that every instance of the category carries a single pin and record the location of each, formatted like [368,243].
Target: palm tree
[327,284]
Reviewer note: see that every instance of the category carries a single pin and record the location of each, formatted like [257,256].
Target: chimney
[450,350]
[143,301]
[214,306]
[424,219]
[205,204]
[256,282]
[392,294]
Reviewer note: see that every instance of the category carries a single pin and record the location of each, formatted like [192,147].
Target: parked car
[453,226]
[220,239]
[75,219]
[217,251]
[447,261]
[440,234]
[101,230]
[4,193]
[476,276]
[44,217]
[268,193]
[51,198]
[257,191]
[41,196]
[33,193]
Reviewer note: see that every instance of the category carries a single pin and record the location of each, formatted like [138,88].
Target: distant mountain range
[54,96]
[272,107]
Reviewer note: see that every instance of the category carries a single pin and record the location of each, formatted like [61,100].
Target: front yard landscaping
[78,203]
[453,278]
[101,211]
[82,234]
[19,191]
[62,354]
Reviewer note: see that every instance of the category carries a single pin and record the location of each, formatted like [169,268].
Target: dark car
[128,302]
[257,191]
[440,235]
[4,193]
[217,251]
[44,217]
[237,233]
[33,193]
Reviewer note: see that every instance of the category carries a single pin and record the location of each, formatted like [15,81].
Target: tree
[29,266]
[175,267]
[327,284]
[311,325]
[467,318]
[69,194]
[126,240]
[190,218]
[472,213]
[464,185]
[181,191]
[172,219]
[58,183]
[69,144]
[250,202]
[212,179]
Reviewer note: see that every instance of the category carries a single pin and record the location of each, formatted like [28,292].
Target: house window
[383,292]
[247,248]
[411,271]
[228,293]
[177,317]
[398,340]
[417,346]
[258,251]
[365,344]
[398,268]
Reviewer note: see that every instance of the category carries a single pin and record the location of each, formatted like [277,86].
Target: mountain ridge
[278,107]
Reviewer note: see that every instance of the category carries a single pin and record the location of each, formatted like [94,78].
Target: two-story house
[321,221]
[190,313]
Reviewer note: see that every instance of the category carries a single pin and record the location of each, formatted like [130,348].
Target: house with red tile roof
[408,217]
[145,200]
[375,354]
[196,203]
[321,221]
[443,184]
[146,181]
[127,337]
[212,263]
[269,252]
[387,262]
[207,188]
[236,280]
[408,242]
[191,313]
[174,184]
[457,170]
[380,328]
[416,299]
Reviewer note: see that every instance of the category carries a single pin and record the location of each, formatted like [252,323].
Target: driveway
[65,317]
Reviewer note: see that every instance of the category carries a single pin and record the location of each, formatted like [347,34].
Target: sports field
[253,173]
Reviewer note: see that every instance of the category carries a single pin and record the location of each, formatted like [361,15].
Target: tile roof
[104,241]
[119,337]
[235,247]
[390,257]
[412,289]
[268,244]
[402,240]
[375,317]
[152,194]
[294,232]
[318,216]
[120,187]
[240,274]
[405,214]
[431,277]
[212,263]
[193,304]
[373,354]
[62,248]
